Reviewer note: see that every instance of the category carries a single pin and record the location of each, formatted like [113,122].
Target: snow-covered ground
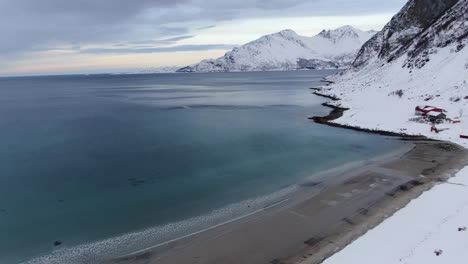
[430,222]
[413,234]
[413,62]
[370,95]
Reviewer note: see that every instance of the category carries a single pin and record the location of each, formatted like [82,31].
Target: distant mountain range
[286,50]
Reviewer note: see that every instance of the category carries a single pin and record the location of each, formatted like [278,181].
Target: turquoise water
[110,164]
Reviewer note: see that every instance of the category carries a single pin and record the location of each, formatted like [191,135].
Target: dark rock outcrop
[413,30]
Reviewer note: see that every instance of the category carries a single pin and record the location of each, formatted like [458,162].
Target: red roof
[427,109]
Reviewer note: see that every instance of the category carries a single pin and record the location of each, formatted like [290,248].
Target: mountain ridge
[415,17]
[286,50]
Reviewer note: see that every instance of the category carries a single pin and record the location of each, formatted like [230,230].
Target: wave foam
[105,250]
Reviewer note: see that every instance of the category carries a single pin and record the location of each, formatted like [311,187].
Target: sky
[96,36]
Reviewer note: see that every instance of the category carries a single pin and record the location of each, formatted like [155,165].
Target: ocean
[96,166]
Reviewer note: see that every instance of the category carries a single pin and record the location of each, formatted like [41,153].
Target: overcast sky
[86,36]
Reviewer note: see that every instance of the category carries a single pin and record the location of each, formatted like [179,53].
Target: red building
[425,110]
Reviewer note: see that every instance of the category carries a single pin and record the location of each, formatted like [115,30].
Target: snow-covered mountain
[412,21]
[419,58]
[286,50]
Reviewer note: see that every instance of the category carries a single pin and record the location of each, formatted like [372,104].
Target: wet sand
[319,219]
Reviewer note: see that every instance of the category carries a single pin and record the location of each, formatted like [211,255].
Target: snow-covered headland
[420,58]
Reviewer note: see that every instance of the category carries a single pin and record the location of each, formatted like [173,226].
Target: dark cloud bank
[29,25]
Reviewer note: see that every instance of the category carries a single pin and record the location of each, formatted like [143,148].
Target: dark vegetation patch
[313,241]
[404,187]
[398,93]
[363,211]
[428,171]
[416,182]
[348,221]
[277,261]
[391,193]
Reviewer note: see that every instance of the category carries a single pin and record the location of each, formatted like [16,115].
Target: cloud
[29,24]
[168,41]
[156,49]
[26,24]
[206,27]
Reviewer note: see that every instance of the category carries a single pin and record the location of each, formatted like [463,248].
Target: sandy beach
[322,217]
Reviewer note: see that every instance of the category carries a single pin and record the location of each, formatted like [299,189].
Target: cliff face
[449,29]
[415,18]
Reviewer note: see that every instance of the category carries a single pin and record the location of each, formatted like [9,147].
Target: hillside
[429,64]
[420,58]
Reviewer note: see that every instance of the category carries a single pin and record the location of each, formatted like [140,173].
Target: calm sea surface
[105,165]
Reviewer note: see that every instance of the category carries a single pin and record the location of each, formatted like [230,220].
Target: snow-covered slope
[420,58]
[411,236]
[430,67]
[286,50]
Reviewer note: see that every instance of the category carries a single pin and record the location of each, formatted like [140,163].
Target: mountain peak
[344,31]
[347,28]
[286,50]
[287,33]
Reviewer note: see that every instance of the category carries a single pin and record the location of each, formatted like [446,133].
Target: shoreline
[318,220]
[396,199]
[388,208]
[315,180]
[338,112]
[337,212]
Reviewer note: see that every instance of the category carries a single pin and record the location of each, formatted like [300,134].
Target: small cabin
[436,117]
